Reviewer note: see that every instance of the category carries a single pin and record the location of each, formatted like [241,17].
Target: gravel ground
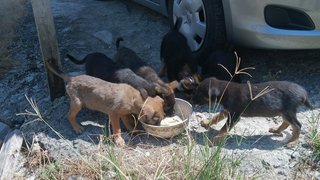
[92,26]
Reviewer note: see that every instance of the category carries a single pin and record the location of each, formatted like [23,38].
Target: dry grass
[184,160]
[141,162]
[11,11]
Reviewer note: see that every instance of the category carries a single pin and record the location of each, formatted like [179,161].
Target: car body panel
[157,5]
[246,24]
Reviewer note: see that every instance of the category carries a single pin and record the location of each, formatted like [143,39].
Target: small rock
[265,164]
[147,46]
[31,178]
[4,130]
[65,30]
[104,36]
[75,178]
[295,154]
[29,78]
[111,175]
[317,175]
[276,165]
[282,173]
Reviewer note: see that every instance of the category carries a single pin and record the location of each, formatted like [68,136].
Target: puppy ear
[163,69]
[143,93]
[197,78]
[158,88]
[173,85]
[146,115]
[160,99]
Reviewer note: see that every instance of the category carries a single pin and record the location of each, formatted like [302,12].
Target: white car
[265,24]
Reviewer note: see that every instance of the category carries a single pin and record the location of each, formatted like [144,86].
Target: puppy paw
[275,132]
[119,141]
[135,132]
[218,140]
[291,145]
[205,123]
[78,128]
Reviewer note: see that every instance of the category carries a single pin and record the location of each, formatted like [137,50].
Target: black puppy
[282,98]
[100,66]
[176,56]
[211,67]
[97,65]
[127,58]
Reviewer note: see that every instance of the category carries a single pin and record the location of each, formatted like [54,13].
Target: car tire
[210,14]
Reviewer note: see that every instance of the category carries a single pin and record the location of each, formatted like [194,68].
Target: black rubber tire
[215,28]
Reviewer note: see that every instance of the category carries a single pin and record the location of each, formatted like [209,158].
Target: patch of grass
[50,171]
[308,163]
[314,136]
[214,164]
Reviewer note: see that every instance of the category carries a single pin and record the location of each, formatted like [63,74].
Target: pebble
[105,36]
[317,175]
[295,154]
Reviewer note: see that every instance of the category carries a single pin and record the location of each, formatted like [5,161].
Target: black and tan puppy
[188,85]
[176,56]
[127,58]
[115,100]
[100,66]
[283,98]
[221,64]
[211,67]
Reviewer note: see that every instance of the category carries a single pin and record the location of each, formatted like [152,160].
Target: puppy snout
[169,110]
[196,99]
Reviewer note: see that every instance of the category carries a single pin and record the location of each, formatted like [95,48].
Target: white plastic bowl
[183,109]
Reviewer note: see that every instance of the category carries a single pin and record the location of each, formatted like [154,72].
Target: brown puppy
[127,58]
[116,100]
[283,98]
[164,90]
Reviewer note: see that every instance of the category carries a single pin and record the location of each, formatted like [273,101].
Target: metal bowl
[183,109]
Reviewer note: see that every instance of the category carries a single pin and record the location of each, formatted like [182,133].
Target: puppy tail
[119,39]
[57,71]
[74,60]
[178,23]
[308,104]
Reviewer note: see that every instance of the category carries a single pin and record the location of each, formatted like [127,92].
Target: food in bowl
[183,110]
[169,121]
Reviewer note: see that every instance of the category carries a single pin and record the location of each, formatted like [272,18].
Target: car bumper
[246,25]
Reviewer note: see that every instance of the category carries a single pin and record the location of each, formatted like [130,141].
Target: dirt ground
[85,26]
[9,21]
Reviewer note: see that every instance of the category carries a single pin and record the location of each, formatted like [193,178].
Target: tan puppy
[116,100]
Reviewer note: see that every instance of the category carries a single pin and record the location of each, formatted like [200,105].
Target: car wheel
[202,24]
